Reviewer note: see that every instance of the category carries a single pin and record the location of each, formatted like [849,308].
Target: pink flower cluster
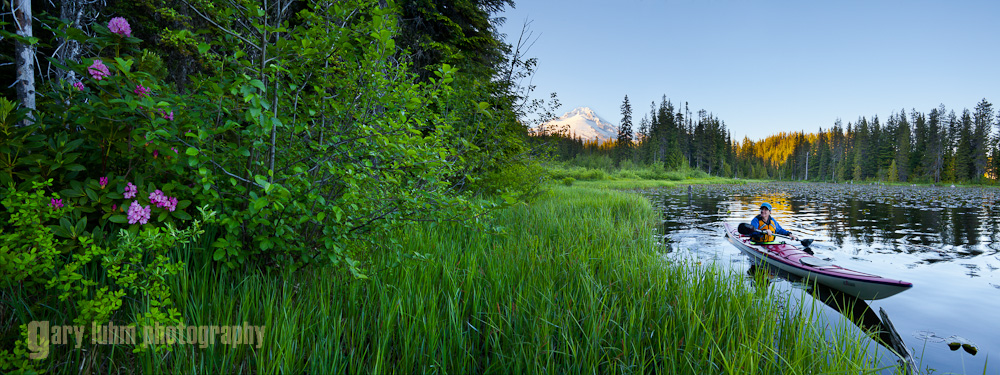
[98,70]
[56,203]
[166,115]
[103,181]
[138,214]
[120,26]
[141,90]
[130,191]
[160,200]
[79,86]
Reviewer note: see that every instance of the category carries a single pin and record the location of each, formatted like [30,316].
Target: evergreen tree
[934,154]
[949,132]
[862,151]
[623,146]
[919,144]
[642,141]
[982,124]
[964,154]
[983,119]
[903,147]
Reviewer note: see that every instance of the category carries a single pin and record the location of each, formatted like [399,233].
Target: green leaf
[81,225]
[91,194]
[181,215]
[191,151]
[258,84]
[203,48]
[75,168]
[119,218]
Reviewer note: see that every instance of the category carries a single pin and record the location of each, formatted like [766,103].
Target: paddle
[746,229]
[806,242]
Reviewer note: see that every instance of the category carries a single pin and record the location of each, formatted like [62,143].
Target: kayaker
[767,225]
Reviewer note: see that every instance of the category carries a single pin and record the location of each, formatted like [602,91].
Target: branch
[230,32]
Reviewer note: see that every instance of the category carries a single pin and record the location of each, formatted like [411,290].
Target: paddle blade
[807,242]
[744,229]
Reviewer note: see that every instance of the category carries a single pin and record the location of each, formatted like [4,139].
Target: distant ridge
[584,123]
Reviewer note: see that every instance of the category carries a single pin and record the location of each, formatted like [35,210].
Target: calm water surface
[944,240]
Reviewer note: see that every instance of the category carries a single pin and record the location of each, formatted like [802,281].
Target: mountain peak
[582,122]
[581,111]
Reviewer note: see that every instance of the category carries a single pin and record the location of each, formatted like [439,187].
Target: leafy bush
[626,175]
[568,181]
[92,283]
[602,162]
[676,175]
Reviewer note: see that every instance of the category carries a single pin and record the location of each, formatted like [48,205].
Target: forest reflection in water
[945,240]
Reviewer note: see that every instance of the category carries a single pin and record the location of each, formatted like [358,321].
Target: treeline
[938,146]
[668,135]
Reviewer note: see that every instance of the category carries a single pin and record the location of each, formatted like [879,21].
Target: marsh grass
[573,284]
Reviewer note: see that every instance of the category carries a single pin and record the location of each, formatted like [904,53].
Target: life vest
[769,225]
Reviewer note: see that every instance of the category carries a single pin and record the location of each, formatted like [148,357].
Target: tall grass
[573,284]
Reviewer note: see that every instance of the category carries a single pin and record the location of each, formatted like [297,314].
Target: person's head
[765,210]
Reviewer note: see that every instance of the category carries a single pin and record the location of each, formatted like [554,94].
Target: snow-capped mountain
[584,123]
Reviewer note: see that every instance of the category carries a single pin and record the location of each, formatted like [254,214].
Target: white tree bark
[69,50]
[25,56]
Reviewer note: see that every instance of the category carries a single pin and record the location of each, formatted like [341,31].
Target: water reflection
[850,308]
[944,240]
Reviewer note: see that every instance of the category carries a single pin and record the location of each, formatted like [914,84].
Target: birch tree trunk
[69,50]
[25,56]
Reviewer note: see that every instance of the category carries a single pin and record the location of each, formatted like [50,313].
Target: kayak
[793,259]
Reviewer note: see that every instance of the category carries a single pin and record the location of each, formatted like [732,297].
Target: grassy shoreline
[573,284]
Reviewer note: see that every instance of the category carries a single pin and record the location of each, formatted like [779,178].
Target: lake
[945,240]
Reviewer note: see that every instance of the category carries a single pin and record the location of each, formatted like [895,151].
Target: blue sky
[764,66]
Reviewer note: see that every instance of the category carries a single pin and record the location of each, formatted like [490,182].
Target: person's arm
[779,230]
[755,224]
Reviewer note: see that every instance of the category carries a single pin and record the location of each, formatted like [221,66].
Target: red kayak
[793,259]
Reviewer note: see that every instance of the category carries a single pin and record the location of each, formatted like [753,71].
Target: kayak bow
[795,260]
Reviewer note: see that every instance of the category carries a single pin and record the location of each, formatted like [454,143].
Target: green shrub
[697,173]
[594,175]
[28,249]
[602,162]
[568,181]
[676,175]
[626,175]
[522,180]
[92,283]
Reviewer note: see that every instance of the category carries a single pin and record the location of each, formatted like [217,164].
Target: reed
[572,283]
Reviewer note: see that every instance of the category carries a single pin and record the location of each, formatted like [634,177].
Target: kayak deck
[797,261]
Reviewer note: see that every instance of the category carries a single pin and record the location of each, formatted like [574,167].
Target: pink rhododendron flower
[156,197]
[103,181]
[98,70]
[56,203]
[79,86]
[120,26]
[174,150]
[156,153]
[169,116]
[141,90]
[160,200]
[130,191]
[138,214]
[114,207]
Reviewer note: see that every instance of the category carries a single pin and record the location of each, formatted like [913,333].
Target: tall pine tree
[623,147]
